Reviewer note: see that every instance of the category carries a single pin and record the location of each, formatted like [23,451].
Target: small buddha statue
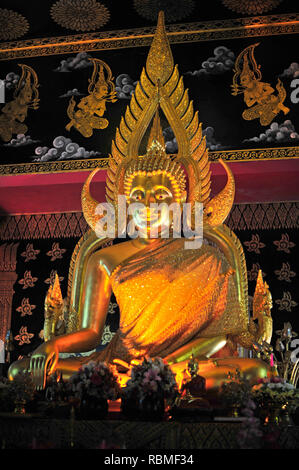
[193,388]
[174,302]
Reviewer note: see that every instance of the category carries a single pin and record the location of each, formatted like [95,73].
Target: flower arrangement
[276,398]
[58,397]
[57,390]
[235,392]
[275,390]
[22,387]
[151,383]
[17,393]
[6,403]
[94,380]
[151,377]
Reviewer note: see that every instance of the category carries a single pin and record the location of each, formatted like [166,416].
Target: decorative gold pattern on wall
[174,10]
[179,33]
[14,113]
[286,303]
[13,25]
[80,15]
[91,108]
[259,96]
[42,226]
[24,337]
[53,167]
[255,154]
[25,308]
[284,244]
[102,163]
[251,7]
[8,276]
[266,216]
[28,280]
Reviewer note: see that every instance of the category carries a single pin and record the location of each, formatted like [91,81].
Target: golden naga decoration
[262,304]
[14,113]
[91,108]
[174,302]
[259,96]
[53,310]
[261,332]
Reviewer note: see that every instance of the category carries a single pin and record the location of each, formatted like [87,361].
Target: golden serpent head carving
[262,301]
[161,88]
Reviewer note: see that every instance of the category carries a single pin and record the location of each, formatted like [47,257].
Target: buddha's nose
[149,198]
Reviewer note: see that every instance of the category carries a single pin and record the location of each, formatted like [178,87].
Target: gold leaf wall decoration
[173,9]
[251,7]
[13,25]
[80,15]
[259,96]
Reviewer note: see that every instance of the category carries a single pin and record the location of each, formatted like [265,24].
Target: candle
[271,360]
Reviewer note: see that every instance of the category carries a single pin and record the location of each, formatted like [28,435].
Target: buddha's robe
[168,296]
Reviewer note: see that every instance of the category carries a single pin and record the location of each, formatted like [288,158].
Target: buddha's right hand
[43,362]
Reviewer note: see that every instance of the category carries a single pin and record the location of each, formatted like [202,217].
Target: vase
[58,410]
[152,408]
[93,408]
[129,407]
[273,415]
[148,408]
[20,407]
[285,416]
[234,411]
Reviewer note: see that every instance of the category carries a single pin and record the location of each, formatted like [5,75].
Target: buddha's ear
[183,196]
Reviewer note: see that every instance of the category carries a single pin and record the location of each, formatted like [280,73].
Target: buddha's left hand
[42,362]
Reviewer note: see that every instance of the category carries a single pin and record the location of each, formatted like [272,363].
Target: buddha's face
[148,190]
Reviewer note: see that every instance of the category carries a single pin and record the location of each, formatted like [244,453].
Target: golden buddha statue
[174,302]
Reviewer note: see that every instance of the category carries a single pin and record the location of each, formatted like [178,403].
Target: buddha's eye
[162,194]
[137,195]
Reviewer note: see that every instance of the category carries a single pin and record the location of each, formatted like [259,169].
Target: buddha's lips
[148,215]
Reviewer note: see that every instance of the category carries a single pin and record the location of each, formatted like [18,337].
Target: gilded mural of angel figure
[14,113]
[91,108]
[259,96]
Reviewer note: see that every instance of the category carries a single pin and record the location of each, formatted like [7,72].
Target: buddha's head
[155,182]
[156,177]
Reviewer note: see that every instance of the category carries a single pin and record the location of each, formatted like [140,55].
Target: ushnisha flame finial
[161,87]
[160,70]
